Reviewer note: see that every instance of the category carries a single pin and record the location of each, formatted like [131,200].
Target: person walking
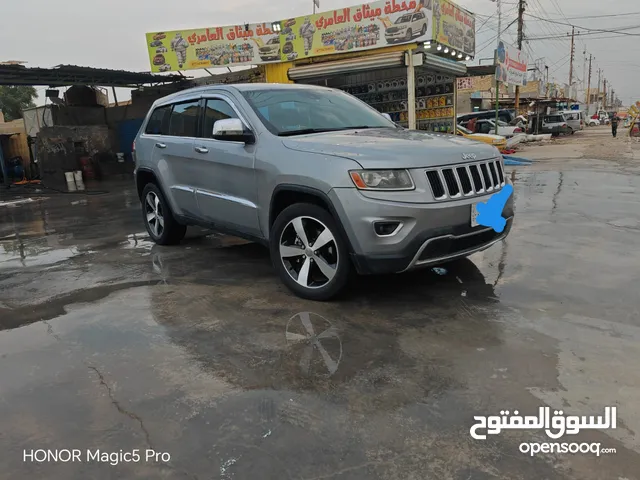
[614,125]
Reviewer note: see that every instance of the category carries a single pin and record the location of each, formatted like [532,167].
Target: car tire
[302,273]
[161,224]
[423,32]
[409,35]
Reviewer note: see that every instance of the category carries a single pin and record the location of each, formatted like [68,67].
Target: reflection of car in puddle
[321,344]
[249,334]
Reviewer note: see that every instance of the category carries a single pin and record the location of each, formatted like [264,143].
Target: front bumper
[395,35]
[431,233]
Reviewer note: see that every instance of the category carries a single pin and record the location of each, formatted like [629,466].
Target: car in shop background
[594,121]
[407,27]
[323,180]
[271,50]
[555,124]
[497,141]
[489,126]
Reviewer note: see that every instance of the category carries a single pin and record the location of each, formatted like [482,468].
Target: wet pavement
[110,343]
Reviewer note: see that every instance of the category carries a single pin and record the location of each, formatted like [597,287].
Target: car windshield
[301,111]
[403,19]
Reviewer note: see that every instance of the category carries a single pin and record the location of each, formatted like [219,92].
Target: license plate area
[474,215]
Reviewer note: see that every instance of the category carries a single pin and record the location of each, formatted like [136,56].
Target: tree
[14,99]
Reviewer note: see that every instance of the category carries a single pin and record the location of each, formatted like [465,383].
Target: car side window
[214,110]
[184,119]
[158,123]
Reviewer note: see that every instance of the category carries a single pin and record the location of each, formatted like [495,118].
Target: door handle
[202,150]
[161,145]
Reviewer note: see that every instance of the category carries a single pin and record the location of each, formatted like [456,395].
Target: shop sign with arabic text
[362,27]
[194,48]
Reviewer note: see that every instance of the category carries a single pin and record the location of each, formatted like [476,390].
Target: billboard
[194,48]
[511,65]
[352,29]
[454,27]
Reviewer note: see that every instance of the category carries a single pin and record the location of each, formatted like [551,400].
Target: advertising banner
[363,27]
[511,65]
[188,49]
[454,27]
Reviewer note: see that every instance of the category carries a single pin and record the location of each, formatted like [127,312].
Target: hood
[392,148]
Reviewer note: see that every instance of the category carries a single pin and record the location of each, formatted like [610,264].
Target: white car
[407,27]
[593,122]
[504,129]
[271,50]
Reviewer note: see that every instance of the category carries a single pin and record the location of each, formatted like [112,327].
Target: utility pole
[598,94]
[604,95]
[521,6]
[573,50]
[546,88]
[589,85]
[498,2]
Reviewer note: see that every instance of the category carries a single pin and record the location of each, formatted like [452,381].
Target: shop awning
[351,65]
[443,65]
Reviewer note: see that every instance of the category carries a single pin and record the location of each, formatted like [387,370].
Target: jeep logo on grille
[469,156]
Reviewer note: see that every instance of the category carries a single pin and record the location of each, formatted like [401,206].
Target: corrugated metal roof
[65,75]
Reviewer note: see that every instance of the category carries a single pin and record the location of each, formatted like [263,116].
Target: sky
[111,33]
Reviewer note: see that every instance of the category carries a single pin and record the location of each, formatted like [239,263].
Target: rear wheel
[309,253]
[424,30]
[161,225]
[409,34]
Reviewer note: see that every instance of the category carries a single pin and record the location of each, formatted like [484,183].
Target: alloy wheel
[309,252]
[153,211]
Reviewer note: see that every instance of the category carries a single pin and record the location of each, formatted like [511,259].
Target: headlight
[382,179]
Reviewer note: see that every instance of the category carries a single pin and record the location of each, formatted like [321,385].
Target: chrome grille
[466,180]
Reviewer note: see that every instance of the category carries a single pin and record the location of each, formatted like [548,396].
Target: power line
[589,29]
[595,16]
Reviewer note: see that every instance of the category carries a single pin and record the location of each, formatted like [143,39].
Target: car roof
[236,87]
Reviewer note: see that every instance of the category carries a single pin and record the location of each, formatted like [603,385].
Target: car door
[171,152]
[226,187]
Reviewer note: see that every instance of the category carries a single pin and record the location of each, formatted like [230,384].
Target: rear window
[184,119]
[159,121]
[554,119]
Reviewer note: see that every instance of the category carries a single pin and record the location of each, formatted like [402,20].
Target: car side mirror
[232,130]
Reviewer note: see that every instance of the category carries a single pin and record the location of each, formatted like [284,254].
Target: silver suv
[321,178]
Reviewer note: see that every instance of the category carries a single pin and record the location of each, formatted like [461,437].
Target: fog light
[386,229]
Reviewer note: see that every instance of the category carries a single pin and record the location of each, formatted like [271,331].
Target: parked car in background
[504,115]
[496,140]
[326,182]
[594,121]
[575,120]
[489,126]
[555,124]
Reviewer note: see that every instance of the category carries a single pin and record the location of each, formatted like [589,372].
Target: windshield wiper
[304,131]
